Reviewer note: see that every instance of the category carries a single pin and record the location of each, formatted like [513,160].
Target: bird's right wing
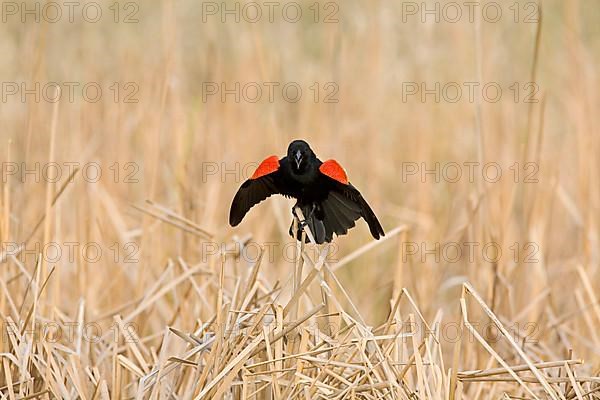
[262,184]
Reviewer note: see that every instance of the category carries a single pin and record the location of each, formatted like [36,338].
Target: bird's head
[299,154]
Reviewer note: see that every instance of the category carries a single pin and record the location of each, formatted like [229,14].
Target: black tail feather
[336,215]
[342,212]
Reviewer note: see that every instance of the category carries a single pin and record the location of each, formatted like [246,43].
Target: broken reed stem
[297,273]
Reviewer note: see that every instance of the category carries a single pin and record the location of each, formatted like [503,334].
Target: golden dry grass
[179,305]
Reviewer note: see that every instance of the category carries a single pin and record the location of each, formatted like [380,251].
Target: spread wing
[262,184]
[345,204]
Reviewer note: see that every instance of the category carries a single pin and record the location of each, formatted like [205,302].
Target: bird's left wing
[345,204]
[262,184]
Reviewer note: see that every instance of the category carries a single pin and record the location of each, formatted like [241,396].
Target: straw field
[470,127]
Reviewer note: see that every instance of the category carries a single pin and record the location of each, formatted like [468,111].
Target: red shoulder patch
[334,170]
[269,165]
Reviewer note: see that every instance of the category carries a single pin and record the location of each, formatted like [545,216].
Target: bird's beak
[298,158]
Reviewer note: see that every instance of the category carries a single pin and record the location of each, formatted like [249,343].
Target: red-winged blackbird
[328,201]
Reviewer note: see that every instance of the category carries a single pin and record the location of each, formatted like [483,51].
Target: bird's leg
[301,223]
[304,222]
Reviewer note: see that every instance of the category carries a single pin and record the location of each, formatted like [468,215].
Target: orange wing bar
[332,169]
[269,165]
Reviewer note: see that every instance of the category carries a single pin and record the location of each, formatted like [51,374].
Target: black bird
[327,199]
